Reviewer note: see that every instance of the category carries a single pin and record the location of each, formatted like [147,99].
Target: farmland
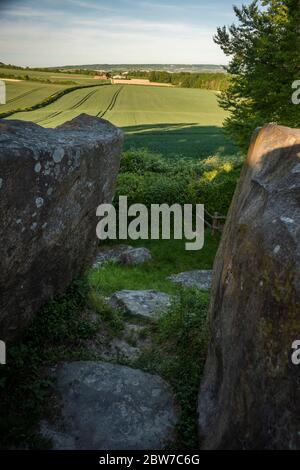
[23,94]
[172,121]
[51,76]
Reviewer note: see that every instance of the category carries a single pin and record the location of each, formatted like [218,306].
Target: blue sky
[53,32]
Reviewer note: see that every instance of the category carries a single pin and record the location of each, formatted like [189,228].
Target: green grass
[179,140]
[180,337]
[172,121]
[168,257]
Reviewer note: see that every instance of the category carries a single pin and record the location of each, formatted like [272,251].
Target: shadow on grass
[179,140]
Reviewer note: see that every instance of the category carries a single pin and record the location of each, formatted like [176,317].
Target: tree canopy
[264,51]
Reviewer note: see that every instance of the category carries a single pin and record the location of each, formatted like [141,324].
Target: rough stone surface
[128,345]
[124,254]
[102,406]
[249,394]
[135,256]
[143,303]
[197,278]
[52,181]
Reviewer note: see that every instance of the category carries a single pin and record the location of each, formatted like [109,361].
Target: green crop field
[171,121]
[23,94]
[57,77]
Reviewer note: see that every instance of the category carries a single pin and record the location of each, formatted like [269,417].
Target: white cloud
[89,5]
[175,6]
[112,38]
[29,12]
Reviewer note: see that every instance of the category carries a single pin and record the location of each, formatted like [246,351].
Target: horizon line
[119,63]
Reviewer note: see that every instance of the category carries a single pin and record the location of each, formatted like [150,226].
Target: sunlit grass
[168,257]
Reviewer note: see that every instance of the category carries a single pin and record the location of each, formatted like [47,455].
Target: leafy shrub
[61,319]
[149,179]
[152,188]
[141,161]
[216,185]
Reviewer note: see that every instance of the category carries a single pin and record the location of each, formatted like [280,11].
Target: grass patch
[179,339]
[179,140]
[168,257]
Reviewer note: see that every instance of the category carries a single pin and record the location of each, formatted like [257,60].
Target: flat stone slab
[123,254]
[199,278]
[143,303]
[103,406]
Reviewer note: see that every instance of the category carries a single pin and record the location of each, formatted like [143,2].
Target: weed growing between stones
[177,353]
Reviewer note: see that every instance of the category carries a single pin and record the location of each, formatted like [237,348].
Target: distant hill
[114,68]
[148,67]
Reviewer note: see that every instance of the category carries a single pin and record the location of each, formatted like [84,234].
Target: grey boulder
[123,254]
[147,304]
[135,256]
[249,396]
[102,406]
[51,182]
[197,278]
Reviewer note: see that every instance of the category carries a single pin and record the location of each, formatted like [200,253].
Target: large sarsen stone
[51,182]
[249,396]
